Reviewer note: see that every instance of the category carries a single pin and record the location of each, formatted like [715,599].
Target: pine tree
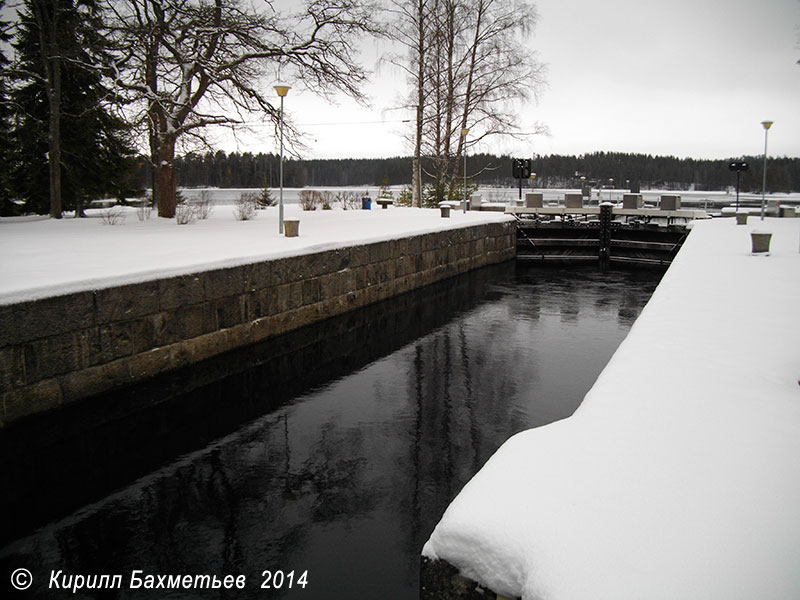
[7,207]
[75,130]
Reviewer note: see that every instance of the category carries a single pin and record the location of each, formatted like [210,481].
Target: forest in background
[247,170]
[96,98]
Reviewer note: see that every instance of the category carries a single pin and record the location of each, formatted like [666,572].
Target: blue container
[366,203]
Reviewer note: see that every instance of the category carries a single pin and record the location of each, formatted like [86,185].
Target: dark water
[332,451]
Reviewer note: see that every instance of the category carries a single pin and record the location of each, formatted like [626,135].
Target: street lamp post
[766,125]
[464,133]
[281,89]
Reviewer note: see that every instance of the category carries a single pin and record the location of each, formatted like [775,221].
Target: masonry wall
[58,350]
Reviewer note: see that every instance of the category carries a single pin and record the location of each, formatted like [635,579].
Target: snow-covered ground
[679,475]
[42,257]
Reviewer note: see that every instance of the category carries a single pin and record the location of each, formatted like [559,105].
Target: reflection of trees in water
[443,404]
[233,509]
[333,476]
[459,385]
[249,499]
[463,375]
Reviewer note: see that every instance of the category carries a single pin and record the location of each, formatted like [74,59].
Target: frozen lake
[701,199]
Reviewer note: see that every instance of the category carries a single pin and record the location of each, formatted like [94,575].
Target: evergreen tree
[78,133]
[7,207]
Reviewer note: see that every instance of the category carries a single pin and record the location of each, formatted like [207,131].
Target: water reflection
[335,450]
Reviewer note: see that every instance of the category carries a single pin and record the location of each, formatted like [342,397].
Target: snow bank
[47,257]
[679,475]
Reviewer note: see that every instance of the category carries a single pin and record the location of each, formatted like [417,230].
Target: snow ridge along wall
[64,348]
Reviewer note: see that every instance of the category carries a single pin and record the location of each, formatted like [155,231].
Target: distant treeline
[247,170]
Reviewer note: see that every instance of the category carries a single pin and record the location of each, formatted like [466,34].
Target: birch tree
[475,71]
[191,64]
[412,18]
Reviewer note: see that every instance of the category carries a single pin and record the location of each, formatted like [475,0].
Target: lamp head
[282,89]
[465,131]
[767,124]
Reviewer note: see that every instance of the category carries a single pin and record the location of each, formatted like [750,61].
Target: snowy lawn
[679,475]
[44,257]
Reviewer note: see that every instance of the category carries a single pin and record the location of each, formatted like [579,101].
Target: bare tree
[412,18]
[190,64]
[469,67]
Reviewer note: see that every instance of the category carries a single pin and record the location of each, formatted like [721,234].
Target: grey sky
[685,78]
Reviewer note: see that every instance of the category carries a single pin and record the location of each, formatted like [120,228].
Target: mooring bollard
[760,241]
[741,218]
[445,208]
[291,228]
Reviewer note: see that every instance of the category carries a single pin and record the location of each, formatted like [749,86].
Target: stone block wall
[60,349]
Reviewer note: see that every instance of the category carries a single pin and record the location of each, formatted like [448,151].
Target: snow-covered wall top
[44,257]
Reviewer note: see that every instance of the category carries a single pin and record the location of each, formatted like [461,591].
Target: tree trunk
[416,175]
[54,137]
[46,16]
[416,178]
[153,163]
[165,178]
[462,140]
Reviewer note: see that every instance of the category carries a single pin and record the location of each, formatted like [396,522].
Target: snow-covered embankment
[679,476]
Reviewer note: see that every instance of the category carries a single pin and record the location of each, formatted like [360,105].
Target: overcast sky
[685,78]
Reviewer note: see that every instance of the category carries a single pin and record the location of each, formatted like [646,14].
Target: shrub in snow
[244,207]
[184,213]
[145,208]
[348,200]
[113,216]
[308,199]
[203,205]
[327,199]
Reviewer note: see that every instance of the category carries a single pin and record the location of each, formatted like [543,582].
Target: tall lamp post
[281,89]
[464,133]
[766,125]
